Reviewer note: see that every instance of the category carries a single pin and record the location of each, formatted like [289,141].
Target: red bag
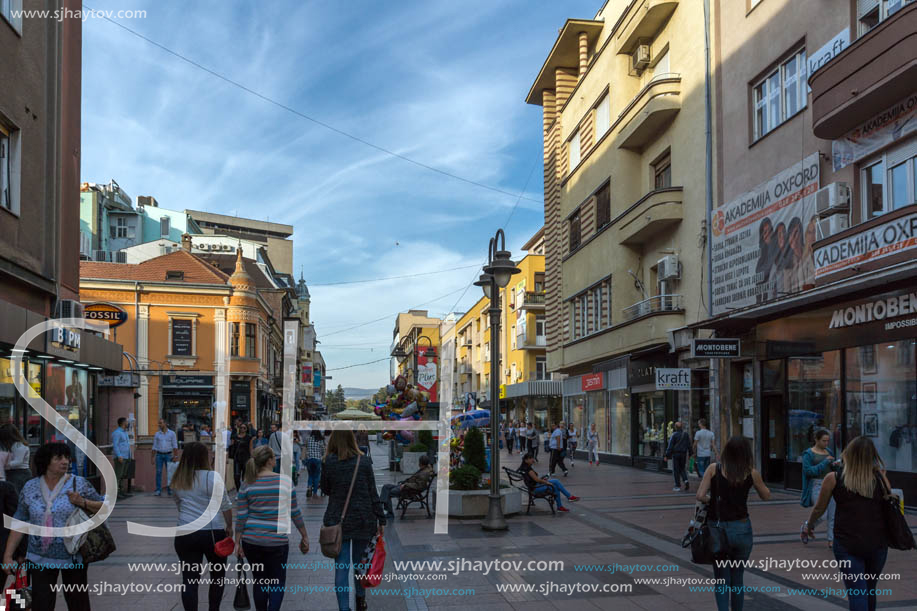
[21,590]
[373,576]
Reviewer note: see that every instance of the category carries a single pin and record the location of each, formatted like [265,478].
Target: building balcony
[650,112]
[540,343]
[656,212]
[643,21]
[659,304]
[872,74]
[532,301]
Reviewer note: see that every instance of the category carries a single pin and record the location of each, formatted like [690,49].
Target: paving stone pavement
[627,517]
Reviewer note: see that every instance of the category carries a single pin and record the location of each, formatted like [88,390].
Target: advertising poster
[761,243]
[426,370]
[68,393]
[878,132]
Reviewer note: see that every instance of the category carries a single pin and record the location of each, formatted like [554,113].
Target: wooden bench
[517,480]
[422,497]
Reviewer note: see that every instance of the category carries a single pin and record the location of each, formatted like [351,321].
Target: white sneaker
[676,489]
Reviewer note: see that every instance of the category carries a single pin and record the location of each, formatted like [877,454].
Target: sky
[442,83]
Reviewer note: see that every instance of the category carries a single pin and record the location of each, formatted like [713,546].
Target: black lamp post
[496,275]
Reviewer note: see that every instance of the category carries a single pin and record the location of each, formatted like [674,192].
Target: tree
[335,400]
[381,396]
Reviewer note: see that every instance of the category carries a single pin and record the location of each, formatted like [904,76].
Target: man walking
[704,450]
[557,448]
[121,451]
[531,436]
[276,444]
[165,443]
[678,449]
[416,483]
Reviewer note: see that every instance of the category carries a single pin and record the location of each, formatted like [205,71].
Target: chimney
[186,242]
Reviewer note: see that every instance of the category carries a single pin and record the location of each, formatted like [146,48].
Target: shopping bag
[19,593]
[373,575]
[691,465]
[241,601]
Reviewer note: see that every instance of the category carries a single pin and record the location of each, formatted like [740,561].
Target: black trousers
[41,580]
[556,460]
[191,548]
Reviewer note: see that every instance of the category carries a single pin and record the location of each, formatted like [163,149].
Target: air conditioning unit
[120,257]
[834,224]
[668,268]
[641,57]
[68,308]
[100,255]
[833,199]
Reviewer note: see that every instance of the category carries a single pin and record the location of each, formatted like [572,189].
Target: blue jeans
[559,490]
[738,544]
[829,514]
[701,463]
[314,466]
[162,460]
[859,596]
[342,572]
[273,558]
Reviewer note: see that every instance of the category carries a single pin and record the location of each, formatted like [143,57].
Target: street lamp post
[496,275]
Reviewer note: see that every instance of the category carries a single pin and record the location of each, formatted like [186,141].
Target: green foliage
[473,451]
[426,438]
[466,477]
[418,447]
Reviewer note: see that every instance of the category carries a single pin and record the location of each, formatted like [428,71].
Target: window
[872,12]
[780,95]
[583,303]
[662,68]
[574,231]
[175,275]
[602,118]
[603,206]
[120,228]
[609,302]
[512,336]
[539,326]
[9,168]
[165,224]
[890,182]
[541,368]
[539,282]
[250,339]
[597,307]
[662,172]
[233,339]
[574,151]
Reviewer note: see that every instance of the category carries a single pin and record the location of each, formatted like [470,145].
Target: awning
[534,388]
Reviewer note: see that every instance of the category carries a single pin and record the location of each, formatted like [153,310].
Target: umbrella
[355,414]
[476,418]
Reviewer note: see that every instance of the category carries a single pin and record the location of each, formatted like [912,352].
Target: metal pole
[494,519]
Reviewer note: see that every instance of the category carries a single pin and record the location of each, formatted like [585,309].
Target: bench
[422,497]
[516,480]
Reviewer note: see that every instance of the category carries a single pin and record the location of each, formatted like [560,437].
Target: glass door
[773,420]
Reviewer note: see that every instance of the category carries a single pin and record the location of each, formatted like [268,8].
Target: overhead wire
[438,271]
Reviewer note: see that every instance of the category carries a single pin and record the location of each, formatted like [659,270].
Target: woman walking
[258,440]
[572,442]
[314,462]
[17,468]
[48,500]
[241,453]
[257,533]
[193,484]
[510,437]
[860,537]
[365,514]
[816,463]
[592,444]
[728,483]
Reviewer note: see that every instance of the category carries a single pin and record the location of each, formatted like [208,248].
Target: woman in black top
[365,513]
[241,453]
[728,483]
[859,529]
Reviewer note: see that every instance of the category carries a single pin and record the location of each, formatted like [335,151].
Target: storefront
[849,368]
[536,401]
[654,409]
[240,400]
[187,401]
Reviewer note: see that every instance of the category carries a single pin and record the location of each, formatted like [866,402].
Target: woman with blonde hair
[193,484]
[258,535]
[365,516]
[18,469]
[859,528]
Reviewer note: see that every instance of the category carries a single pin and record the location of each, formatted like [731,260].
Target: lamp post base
[494,519]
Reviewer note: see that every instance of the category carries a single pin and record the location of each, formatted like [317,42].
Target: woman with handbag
[241,453]
[193,485]
[860,531]
[16,468]
[353,505]
[729,483]
[816,463]
[257,536]
[44,502]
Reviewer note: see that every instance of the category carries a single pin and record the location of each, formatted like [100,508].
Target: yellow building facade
[415,351]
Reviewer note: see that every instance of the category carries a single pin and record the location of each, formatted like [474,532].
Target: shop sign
[715,348]
[502,391]
[65,338]
[892,238]
[592,381]
[818,59]
[426,370]
[761,242]
[107,313]
[673,379]
[122,380]
[883,129]
[186,381]
[316,378]
[878,310]
[306,373]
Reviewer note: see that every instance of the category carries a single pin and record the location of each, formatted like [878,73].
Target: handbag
[373,562]
[330,537]
[241,601]
[898,532]
[225,546]
[94,545]
[19,592]
[709,541]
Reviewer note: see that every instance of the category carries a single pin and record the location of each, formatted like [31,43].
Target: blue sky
[440,82]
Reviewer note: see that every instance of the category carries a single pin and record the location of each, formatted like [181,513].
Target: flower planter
[410,462]
[474,503]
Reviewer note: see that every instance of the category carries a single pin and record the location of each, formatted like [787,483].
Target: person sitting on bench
[416,483]
[539,484]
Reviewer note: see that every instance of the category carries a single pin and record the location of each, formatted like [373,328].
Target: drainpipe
[715,369]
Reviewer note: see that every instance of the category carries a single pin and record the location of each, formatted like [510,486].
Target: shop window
[889,182]
[233,339]
[574,231]
[603,206]
[662,172]
[780,95]
[654,430]
[10,152]
[574,151]
[814,401]
[617,426]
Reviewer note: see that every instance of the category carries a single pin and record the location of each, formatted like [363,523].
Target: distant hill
[359,393]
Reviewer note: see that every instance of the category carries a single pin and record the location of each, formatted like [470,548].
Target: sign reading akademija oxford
[761,242]
[894,237]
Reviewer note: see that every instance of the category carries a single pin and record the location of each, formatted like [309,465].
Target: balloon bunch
[404,402]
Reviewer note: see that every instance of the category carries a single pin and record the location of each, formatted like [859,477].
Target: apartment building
[625,188]
[812,241]
[275,236]
[415,351]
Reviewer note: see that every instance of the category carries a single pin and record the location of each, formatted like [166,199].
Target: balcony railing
[532,300]
[654,305]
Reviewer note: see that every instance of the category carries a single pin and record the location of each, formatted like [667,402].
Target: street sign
[715,348]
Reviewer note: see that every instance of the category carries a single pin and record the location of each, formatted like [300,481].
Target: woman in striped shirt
[257,528]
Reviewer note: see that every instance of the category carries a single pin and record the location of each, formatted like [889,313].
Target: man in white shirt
[165,443]
[704,449]
[557,447]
